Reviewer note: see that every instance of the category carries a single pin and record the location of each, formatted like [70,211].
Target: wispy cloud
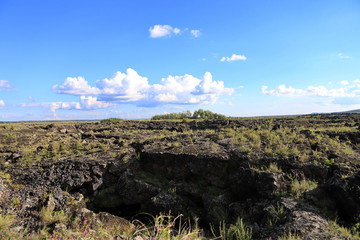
[4,85]
[349,91]
[234,57]
[344,82]
[342,56]
[158,31]
[85,103]
[130,87]
[196,33]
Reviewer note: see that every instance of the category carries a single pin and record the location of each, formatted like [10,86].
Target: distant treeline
[112,120]
[198,114]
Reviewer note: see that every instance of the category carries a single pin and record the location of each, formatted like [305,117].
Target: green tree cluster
[198,114]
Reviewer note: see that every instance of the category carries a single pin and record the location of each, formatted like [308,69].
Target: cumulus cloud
[130,87]
[208,86]
[158,31]
[185,89]
[342,56]
[2,104]
[357,81]
[195,33]
[344,82]
[349,91]
[4,85]
[75,86]
[234,57]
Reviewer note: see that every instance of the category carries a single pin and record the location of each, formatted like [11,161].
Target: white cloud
[344,82]
[185,89]
[85,103]
[32,99]
[357,81]
[4,85]
[195,33]
[234,57]
[282,90]
[166,97]
[130,87]
[342,56]
[158,31]
[75,86]
[2,104]
[176,30]
[91,103]
[123,87]
[53,106]
[349,91]
[208,86]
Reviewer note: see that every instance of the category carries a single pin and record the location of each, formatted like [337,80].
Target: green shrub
[278,216]
[112,120]
[49,216]
[273,167]
[198,114]
[343,232]
[6,221]
[299,187]
[289,236]
[167,227]
[235,231]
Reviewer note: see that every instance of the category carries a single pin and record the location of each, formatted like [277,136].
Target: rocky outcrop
[203,177]
[345,192]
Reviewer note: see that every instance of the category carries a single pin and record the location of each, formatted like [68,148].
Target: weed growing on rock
[6,221]
[273,167]
[235,231]
[278,216]
[289,236]
[49,216]
[299,187]
[167,227]
[337,230]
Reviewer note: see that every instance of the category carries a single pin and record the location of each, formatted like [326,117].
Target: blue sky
[133,59]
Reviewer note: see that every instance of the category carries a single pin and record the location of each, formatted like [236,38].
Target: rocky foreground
[286,177]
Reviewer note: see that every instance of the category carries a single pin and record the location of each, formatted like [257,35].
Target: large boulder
[345,192]
[250,182]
